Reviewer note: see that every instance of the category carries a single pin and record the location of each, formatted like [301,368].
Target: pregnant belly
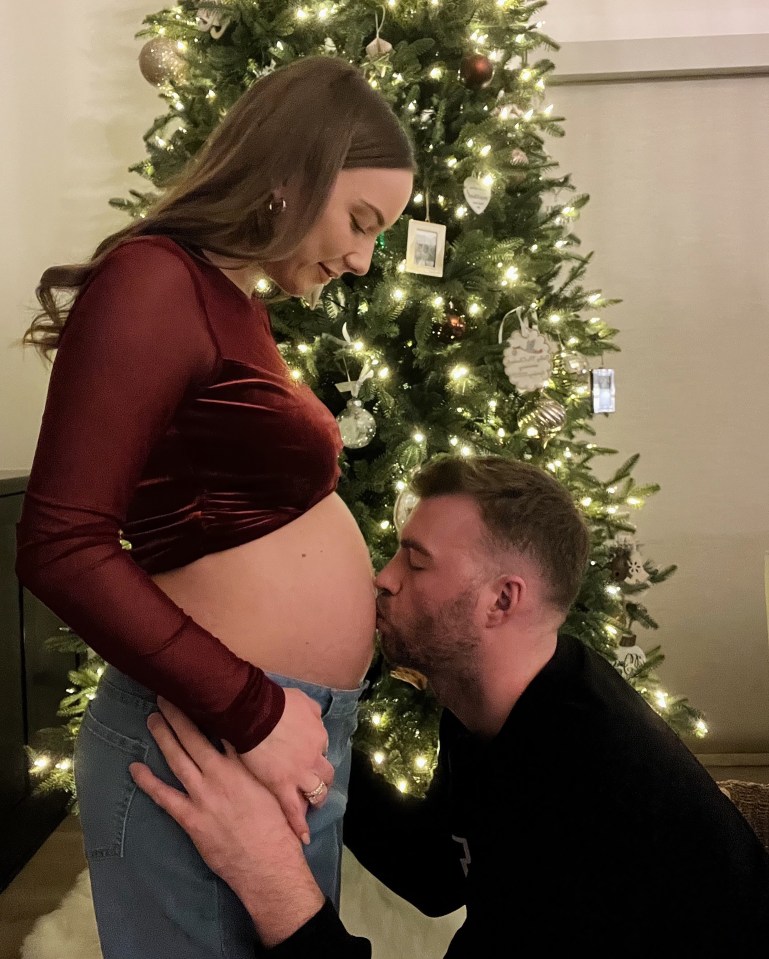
[299,601]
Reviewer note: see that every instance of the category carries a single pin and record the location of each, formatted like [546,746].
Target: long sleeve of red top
[136,342]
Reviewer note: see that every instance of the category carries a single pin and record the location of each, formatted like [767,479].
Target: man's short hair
[525,510]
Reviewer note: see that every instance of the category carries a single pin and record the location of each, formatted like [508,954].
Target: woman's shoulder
[151,250]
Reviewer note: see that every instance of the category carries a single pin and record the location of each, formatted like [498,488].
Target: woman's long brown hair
[292,131]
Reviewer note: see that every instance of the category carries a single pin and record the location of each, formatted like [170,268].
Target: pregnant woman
[171,421]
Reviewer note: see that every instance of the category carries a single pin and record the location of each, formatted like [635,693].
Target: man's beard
[435,643]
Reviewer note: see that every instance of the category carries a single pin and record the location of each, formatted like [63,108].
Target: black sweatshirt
[586,822]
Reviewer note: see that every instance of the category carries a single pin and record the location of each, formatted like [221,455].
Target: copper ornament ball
[453,327]
[476,70]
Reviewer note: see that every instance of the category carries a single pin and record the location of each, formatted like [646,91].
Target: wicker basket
[752,800]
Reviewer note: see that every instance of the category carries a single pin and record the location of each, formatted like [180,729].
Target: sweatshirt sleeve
[137,340]
[406,842]
[322,937]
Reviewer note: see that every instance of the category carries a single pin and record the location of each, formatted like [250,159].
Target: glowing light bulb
[403,785]
[418,198]
[461,211]
[465,451]
[474,309]
[586,500]
[662,699]
[384,373]
[419,437]
[511,273]
[296,374]
[436,73]
[501,432]
[303,347]
[532,431]
[454,441]
[438,301]
[376,719]
[385,524]
[701,728]
[379,758]
[41,762]
[420,762]
[459,372]
[398,294]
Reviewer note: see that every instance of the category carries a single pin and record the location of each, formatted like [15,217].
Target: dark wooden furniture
[32,682]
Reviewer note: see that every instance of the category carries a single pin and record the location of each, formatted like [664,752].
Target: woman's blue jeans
[154,896]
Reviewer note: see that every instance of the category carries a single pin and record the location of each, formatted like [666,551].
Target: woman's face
[361,205]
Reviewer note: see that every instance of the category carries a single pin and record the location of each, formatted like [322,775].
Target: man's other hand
[236,824]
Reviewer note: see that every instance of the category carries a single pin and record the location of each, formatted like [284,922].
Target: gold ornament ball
[545,415]
[572,363]
[159,61]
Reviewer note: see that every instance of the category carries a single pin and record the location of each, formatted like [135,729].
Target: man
[564,812]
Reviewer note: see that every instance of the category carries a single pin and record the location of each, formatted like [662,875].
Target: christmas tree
[475,330]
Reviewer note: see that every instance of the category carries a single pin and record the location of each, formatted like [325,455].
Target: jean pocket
[104,785]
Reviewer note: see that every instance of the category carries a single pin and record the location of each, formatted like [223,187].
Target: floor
[40,886]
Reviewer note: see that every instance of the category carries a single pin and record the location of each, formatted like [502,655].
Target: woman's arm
[137,341]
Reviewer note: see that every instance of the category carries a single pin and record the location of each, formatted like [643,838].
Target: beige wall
[74,110]
[678,220]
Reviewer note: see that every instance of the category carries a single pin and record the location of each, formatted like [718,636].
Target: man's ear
[508,591]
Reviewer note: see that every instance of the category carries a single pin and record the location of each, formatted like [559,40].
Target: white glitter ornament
[357,426]
[213,21]
[630,657]
[528,359]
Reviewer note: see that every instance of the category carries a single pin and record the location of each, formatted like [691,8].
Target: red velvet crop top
[171,417]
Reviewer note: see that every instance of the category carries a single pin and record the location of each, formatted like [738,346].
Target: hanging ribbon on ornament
[353,386]
[378,47]
[357,426]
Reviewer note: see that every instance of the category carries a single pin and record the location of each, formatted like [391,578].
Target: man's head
[492,544]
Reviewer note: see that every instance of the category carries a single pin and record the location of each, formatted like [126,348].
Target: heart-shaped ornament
[477,194]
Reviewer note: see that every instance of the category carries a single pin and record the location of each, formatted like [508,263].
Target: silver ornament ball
[357,426]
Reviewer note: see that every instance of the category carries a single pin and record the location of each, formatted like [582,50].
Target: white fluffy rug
[368,908]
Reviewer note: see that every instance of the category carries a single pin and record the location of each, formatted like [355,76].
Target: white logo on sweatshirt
[465,860]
